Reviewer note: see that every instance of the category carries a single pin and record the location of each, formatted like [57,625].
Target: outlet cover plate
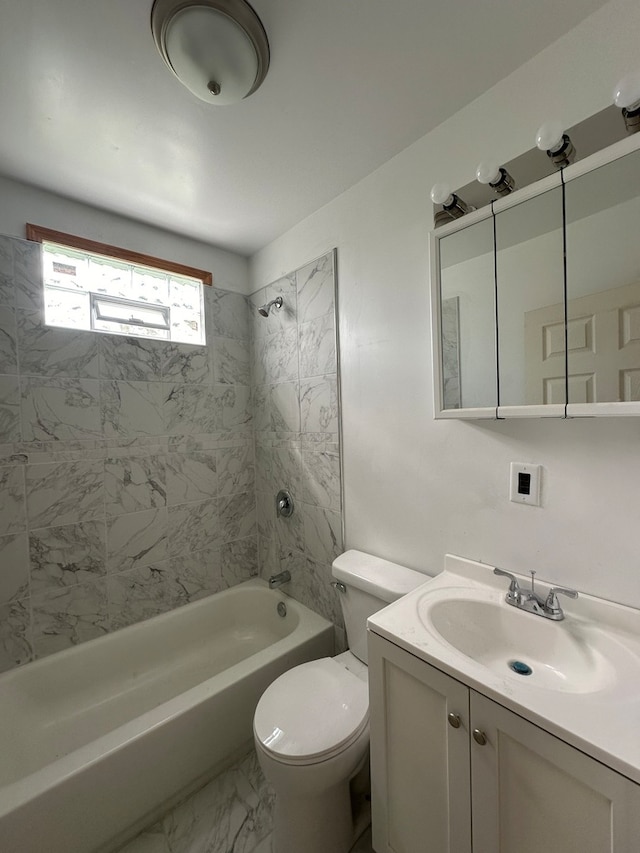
[524,483]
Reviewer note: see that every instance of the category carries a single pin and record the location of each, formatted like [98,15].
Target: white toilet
[311,726]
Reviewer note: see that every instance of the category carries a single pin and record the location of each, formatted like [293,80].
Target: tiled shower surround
[295,393]
[127,473]
[127,483]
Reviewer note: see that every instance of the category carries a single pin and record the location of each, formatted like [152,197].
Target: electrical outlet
[524,483]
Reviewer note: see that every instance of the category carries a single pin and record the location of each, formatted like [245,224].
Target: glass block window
[92,291]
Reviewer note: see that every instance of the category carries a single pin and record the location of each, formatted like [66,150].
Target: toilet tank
[371,583]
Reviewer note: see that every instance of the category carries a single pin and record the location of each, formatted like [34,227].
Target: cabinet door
[530,277]
[533,793]
[419,761]
[464,319]
[603,275]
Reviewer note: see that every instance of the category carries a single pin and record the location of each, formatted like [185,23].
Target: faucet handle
[552,601]
[514,587]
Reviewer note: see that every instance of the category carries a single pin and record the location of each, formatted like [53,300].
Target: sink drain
[520,668]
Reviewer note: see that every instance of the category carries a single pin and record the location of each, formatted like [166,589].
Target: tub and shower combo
[98,740]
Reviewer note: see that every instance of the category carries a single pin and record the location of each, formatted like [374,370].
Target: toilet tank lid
[387,581]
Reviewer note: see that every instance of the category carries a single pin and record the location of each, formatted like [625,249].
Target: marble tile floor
[231,814]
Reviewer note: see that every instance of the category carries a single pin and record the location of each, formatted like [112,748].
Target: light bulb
[441,194]
[488,172]
[550,136]
[627,91]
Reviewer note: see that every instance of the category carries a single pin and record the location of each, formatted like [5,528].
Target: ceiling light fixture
[626,95]
[488,172]
[552,139]
[218,49]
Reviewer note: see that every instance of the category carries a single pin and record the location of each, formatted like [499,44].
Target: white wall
[20,203]
[416,488]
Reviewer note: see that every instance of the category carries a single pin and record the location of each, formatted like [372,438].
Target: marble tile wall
[126,468]
[295,392]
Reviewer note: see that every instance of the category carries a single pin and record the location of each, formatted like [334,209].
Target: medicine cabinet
[536,297]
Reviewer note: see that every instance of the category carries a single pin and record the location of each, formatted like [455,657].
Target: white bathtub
[98,737]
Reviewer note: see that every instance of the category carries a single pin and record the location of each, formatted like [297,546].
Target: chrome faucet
[529,600]
[277,580]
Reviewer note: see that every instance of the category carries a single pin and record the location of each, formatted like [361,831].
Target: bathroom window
[102,288]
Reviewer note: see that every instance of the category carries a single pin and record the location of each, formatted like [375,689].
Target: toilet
[311,725]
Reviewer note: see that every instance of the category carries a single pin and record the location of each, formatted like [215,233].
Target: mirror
[467,318]
[603,283]
[536,297]
[530,296]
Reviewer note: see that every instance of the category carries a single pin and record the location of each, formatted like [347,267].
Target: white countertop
[604,723]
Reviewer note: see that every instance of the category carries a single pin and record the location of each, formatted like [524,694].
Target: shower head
[265,309]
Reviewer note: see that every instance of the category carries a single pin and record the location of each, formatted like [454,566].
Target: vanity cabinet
[535,298]
[420,764]
[454,772]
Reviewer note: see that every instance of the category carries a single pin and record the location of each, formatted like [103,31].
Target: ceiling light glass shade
[218,49]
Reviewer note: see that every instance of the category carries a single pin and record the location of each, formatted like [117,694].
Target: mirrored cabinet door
[530,306]
[603,287]
[467,333]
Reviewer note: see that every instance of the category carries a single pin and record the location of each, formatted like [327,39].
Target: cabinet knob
[479,736]
[454,720]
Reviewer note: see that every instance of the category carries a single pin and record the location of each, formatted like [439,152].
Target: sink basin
[553,655]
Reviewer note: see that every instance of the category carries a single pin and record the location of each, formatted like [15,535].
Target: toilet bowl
[311,725]
[311,730]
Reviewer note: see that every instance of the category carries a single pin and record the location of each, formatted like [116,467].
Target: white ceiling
[89,110]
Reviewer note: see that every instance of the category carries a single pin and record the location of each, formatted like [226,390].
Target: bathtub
[98,738]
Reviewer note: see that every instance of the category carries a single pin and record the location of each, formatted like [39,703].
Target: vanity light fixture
[218,49]
[453,207]
[559,147]
[497,177]
[626,95]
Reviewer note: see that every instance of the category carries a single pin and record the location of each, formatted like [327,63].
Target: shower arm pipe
[265,309]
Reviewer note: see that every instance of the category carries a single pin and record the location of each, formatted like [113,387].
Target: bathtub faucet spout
[277,580]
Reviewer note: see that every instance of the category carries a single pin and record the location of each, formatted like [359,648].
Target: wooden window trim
[48,235]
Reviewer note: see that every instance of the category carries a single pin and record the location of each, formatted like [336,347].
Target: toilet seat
[312,713]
